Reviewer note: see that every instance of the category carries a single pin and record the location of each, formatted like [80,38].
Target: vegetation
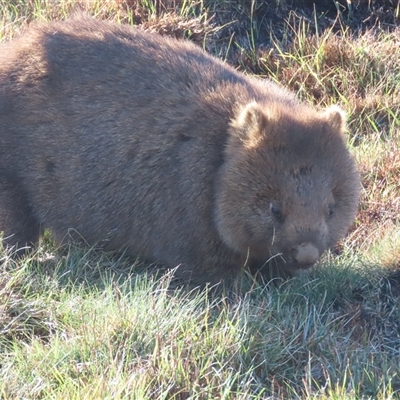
[77,324]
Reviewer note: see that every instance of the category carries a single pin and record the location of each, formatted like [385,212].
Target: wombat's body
[144,143]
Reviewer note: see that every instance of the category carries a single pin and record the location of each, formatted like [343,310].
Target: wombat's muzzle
[304,256]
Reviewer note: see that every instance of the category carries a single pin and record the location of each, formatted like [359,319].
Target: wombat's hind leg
[20,229]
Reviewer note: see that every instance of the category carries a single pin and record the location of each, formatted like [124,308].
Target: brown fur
[145,143]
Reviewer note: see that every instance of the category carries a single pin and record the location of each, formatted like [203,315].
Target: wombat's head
[289,187]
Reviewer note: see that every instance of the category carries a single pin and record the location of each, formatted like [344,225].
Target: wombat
[146,144]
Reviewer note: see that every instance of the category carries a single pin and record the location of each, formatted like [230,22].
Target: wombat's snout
[305,255]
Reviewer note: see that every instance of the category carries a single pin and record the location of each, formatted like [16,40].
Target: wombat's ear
[250,124]
[336,118]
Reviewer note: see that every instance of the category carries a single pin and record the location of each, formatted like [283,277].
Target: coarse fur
[140,142]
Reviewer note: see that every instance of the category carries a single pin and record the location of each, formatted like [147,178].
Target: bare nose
[306,255]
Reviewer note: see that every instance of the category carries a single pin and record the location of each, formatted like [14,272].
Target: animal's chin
[280,260]
[293,265]
[304,266]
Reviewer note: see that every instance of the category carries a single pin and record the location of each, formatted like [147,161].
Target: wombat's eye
[276,211]
[331,210]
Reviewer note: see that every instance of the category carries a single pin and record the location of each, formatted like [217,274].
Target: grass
[84,325]
[102,334]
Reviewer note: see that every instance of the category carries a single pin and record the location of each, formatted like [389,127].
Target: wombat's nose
[306,255]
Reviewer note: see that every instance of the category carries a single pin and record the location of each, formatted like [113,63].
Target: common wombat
[145,143]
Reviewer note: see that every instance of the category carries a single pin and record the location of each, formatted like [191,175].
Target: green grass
[103,334]
[78,324]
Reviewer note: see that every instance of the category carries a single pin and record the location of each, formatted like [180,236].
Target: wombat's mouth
[281,265]
[304,266]
[290,264]
[293,265]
